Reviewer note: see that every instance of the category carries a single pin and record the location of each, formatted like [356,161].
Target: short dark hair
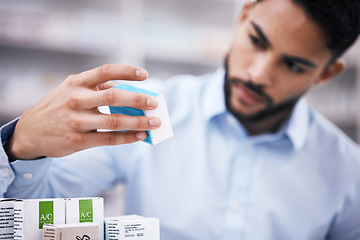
[340,20]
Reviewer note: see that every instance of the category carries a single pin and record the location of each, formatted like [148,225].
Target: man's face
[277,54]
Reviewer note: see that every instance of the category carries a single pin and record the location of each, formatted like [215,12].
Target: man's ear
[245,11]
[331,71]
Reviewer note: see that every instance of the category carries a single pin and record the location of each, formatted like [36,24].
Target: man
[249,159]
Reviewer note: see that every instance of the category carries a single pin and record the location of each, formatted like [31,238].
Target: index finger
[107,72]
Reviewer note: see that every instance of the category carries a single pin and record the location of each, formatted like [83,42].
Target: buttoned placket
[240,180]
[240,184]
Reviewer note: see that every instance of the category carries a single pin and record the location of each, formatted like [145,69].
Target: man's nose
[262,69]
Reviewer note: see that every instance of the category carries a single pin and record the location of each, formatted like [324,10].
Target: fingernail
[141,73]
[155,122]
[141,135]
[152,102]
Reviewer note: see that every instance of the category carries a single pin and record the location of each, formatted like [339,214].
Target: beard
[270,110]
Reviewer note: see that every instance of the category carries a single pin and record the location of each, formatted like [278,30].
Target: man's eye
[294,68]
[257,41]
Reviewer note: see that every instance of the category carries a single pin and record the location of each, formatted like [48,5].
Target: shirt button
[8,171]
[28,175]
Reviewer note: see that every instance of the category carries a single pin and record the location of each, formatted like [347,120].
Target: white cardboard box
[7,219]
[154,136]
[81,210]
[30,215]
[71,231]
[132,227]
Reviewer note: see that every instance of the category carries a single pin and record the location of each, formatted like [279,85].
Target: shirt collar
[295,128]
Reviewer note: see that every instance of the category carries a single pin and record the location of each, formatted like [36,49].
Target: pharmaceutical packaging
[81,210]
[132,227]
[71,231]
[153,136]
[31,214]
[6,219]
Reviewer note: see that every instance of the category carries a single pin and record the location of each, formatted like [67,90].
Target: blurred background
[43,41]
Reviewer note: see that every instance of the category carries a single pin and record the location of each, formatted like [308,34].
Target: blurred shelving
[178,33]
[43,41]
[339,99]
[45,38]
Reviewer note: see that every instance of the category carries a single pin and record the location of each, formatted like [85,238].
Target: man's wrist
[11,156]
[9,153]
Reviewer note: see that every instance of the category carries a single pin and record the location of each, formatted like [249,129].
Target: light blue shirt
[212,180]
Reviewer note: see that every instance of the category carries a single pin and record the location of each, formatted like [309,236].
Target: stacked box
[7,219]
[81,210]
[132,227]
[70,231]
[30,216]
[153,136]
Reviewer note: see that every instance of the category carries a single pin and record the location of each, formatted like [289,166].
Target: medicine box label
[132,227]
[30,215]
[46,213]
[6,219]
[83,210]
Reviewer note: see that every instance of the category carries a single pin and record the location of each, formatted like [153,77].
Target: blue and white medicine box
[154,136]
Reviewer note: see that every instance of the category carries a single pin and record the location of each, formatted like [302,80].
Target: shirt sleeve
[6,173]
[83,174]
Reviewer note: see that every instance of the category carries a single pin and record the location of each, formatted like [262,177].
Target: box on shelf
[154,136]
[76,231]
[7,218]
[31,214]
[81,210]
[132,227]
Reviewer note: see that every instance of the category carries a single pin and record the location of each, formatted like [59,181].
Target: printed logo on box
[85,210]
[46,213]
[85,237]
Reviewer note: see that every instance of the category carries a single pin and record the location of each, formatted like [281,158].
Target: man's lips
[246,95]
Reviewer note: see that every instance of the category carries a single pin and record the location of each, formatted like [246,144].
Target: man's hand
[66,120]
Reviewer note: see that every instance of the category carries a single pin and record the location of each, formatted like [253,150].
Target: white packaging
[165,130]
[71,231]
[154,136]
[81,210]
[7,219]
[132,227]
[30,215]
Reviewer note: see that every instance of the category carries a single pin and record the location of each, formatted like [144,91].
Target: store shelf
[184,44]
[88,31]
[57,38]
